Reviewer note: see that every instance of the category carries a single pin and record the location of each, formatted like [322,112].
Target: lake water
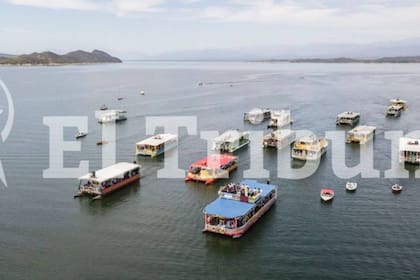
[152,230]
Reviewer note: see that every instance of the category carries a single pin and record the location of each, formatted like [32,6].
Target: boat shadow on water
[328,203]
[110,201]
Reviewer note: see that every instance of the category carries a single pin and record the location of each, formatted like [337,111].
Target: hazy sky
[130,27]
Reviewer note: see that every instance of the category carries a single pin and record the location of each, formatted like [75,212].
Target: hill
[51,58]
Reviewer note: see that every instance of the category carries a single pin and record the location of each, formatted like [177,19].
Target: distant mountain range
[396,59]
[408,48]
[6,55]
[51,58]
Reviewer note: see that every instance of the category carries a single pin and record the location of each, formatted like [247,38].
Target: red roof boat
[213,167]
[327,194]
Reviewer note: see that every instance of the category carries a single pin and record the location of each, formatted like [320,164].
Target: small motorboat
[351,186]
[80,134]
[120,98]
[102,142]
[396,188]
[327,195]
[103,107]
[142,92]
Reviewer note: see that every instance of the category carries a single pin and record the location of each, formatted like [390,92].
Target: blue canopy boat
[238,207]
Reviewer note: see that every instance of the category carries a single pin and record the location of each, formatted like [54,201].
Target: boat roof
[157,139]
[258,110]
[230,136]
[111,171]
[363,129]
[327,190]
[214,161]
[409,144]
[281,133]
[112,112]
[255,111]
[396,106]
[280,112]
[397,100]
[348,115]
[229,208]
[308,139]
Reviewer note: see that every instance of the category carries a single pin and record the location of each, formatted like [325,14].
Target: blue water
[152,230]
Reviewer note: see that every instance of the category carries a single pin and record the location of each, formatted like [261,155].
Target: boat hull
[325,199]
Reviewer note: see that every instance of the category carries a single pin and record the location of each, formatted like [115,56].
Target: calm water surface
[152,230]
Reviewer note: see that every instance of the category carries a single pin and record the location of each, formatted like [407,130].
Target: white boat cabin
[394,110]
[231,141]
[257,115]
[108,179]
[279,138]
[309,148]
[348,118]
[397,101]
[280,118]
[361,134]
[157,144]
[409,150]
[112,116]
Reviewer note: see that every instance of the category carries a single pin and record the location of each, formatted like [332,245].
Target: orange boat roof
[214,161]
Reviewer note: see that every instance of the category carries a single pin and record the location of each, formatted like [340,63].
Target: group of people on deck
[243,190]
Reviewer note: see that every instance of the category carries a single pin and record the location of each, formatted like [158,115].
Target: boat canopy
[362,130]
[227,208]
[157,139]
[230,209]
[110,172]
[409,144]
[230,136]
[280,133]
[214,161]
[350,115]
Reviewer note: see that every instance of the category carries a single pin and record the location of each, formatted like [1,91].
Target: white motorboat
[327,195]
[396,188]
[80,134]
[351,186]
[397,101]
